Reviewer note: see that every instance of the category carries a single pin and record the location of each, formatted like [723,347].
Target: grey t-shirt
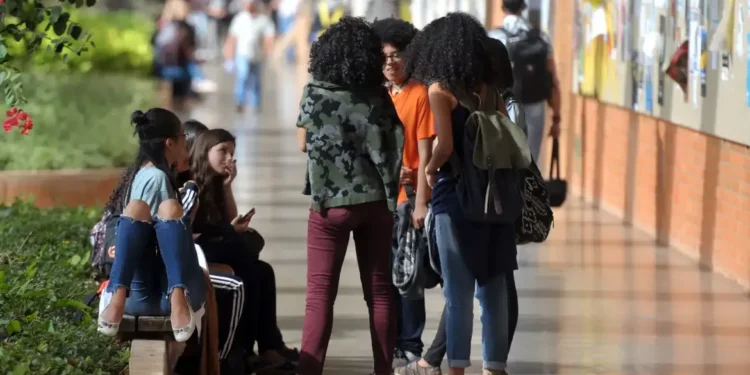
[152,186]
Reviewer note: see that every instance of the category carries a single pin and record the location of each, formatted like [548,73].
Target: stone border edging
[52,188]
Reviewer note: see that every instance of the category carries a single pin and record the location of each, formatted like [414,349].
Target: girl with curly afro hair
[354,140]
[456,59]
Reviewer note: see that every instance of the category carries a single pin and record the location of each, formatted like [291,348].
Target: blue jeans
[411,325]
[247,86]
[285,25]
[191,71]
[151,276]
[458,288]
[200,22]
[412,315]
[534,115]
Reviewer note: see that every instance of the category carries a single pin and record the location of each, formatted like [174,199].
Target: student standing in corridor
[413,107]
[354,140]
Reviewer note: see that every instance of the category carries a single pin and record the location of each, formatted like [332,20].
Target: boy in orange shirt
[413,107]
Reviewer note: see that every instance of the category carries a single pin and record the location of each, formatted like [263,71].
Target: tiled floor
[596,298]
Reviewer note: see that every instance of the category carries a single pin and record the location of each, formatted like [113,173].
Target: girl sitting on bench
[150,215]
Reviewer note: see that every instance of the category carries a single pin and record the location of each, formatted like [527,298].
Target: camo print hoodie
[354,146]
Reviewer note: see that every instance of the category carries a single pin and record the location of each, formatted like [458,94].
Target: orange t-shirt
[413,107]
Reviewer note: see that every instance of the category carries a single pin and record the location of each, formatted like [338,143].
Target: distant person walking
[251,38]
[534,70]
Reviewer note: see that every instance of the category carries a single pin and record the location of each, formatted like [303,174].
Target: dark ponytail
[153,128]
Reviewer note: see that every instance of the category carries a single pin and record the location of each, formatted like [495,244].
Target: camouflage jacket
[354,146]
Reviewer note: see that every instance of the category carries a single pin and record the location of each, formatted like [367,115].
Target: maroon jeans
[327,239]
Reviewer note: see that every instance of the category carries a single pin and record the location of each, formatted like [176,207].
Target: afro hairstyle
[395,32]
[455,52]
[348,54]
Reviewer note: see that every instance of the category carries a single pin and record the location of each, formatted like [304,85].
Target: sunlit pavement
[596,298]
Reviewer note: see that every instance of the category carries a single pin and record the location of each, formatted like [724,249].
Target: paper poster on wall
[694,55]
[649,87]
[747,74]
[703,35]
[681,25]
[739,43]
[714,20]
[725,62]
[635,80]
[662,57]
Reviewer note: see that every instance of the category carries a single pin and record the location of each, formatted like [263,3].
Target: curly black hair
[348,54]
[396,32]
[452,51]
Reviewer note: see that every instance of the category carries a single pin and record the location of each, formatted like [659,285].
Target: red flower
[15,117]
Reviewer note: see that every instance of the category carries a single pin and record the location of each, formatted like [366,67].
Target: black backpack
[489,168]
[529,54]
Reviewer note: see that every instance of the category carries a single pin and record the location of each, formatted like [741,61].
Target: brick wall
[689,190]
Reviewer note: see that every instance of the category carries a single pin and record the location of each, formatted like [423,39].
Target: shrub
[44,276]
[122,43]
[81,121]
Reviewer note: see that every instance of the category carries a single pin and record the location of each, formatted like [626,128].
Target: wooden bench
[152,340]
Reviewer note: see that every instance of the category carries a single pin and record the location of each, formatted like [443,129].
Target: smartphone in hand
[248,215]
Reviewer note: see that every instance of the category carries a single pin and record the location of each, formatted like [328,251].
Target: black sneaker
[292,355]
[256,364]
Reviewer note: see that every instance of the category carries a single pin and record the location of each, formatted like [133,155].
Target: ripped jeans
[151,274]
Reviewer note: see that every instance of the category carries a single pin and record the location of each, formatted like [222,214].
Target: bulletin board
[624,48]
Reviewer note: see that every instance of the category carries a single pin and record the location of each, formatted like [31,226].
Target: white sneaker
[104,327]
[401,358]
[204,86]
[183,334]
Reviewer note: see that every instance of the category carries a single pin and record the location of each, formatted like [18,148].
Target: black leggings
[269,335]
[258,321]
[239,251]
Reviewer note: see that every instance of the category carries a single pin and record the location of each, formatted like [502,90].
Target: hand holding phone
[248,215]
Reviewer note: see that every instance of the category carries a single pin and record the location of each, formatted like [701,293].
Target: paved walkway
[596,298]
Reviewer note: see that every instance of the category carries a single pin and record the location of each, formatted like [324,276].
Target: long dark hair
[212,206]
[192,128]
[153,129]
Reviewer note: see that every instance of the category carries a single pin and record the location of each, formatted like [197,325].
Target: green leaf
[60,26]
[90,3]
[3,51]
[55,12]
[67,302]
[22,368]
[51,327]
[75,30]
[13,327]
[75,260]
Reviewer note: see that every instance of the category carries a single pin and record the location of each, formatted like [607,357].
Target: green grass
[44,276]
[80,121]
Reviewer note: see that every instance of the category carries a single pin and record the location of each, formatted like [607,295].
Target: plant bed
[80,122]
[44,276]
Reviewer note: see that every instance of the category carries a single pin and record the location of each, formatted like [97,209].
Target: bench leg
[149,357]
